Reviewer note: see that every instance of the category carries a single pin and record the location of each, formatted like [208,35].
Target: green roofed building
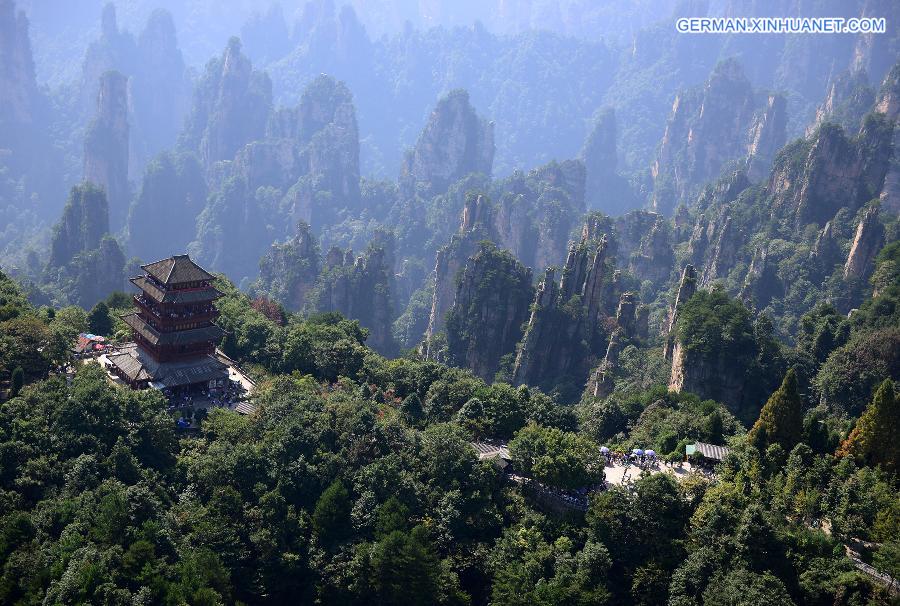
[174,330]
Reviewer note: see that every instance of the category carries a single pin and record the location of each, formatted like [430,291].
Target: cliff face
[84,222]
[721,122]
[767,136]
[565,333]
[490,306]
[643,243]
[866,244]
[605,189]
[18,88]
[234,230]
[454,143]
[326,139]
[114,50]
[163,216]
[631,324]
[360,289]
[86,263]
[230,107]
[538,210]
[848,99]
[888,102]
[762,283]
[654,259]
[29,162]
[160,87]
[686,289]
[476,226]
[289,271]
[94,274]
[813,179]
[106,146]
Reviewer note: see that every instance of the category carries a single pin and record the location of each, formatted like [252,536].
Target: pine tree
[781,419]
[876,438]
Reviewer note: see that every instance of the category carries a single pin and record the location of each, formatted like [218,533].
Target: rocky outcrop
[848,99]
[537,212]
[230,107]
[476,225]
[761,284]
[360,289]
[767,136]
[234,230]
[721,122]
[605,189]
[565,332]
[316,145]
[86,263]
[84,222]
[289,271]
[714,244]
[866,244]
[643,243]
[493,295]
[114,50]
[94,274]
[815,178]
[454,143]
[163,215]
[826,250]
[160,88]
[686,289]
[888,102]
[106,146]
[630,324]
[655,257]
[29,161]
[18,88]
[158,81]
[706,378]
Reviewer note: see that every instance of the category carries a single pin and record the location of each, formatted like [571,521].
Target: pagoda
[174,330]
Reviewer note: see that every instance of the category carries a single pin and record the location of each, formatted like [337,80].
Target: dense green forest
[354,482]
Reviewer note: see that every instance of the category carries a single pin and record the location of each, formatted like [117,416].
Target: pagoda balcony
[170,319]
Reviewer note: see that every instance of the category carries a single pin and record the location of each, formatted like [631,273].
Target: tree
[331,516]
[98,319]
[742,587]
[556,457]
[781,419]
[411,407]
[876,438]
[405,569]
[17,381]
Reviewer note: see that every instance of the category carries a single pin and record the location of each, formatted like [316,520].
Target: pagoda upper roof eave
[176,295]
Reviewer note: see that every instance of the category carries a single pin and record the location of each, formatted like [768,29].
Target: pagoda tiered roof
[177,270]
[211,333]
[185,295]
[137,366]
